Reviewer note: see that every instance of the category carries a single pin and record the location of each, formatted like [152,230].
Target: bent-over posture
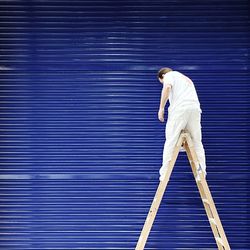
[184,112]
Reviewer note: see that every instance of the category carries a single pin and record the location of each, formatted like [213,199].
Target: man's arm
[164,98]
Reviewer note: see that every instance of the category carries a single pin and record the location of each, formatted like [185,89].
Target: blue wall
[81,145]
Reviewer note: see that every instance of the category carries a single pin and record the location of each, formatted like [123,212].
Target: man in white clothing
[184,112]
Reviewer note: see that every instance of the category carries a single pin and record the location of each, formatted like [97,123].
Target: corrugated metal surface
[80,141]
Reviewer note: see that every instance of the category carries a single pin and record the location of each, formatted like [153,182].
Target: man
[183,113]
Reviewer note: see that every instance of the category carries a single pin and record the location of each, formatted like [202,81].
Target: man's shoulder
[175,72]
[179,75]
[172,73]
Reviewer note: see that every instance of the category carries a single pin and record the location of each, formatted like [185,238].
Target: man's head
[162,72]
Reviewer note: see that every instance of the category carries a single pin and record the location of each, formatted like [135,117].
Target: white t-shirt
[182,94]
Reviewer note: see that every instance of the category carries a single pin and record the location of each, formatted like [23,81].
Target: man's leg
[175,123]
[194,127]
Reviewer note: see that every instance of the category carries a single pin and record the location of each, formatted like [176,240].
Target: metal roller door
[81,145]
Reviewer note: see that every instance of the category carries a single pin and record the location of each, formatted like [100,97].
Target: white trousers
[189,119]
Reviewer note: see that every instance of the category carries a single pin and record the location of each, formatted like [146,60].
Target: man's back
[183,94]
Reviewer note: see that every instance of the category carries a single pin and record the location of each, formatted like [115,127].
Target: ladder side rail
[158,197]
[203,196]
[205,189]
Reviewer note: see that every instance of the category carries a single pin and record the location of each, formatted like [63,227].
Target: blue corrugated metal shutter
[80,142]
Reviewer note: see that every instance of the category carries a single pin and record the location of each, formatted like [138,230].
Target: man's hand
[161,115]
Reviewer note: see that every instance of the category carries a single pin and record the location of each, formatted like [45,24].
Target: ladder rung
[218,239]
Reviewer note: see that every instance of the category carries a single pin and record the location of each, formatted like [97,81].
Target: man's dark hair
[163,71]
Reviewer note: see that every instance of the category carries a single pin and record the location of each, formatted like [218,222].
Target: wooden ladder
[213,217]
